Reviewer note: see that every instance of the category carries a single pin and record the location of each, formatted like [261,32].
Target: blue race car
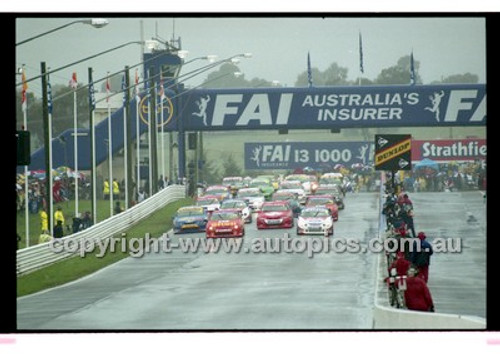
[190,219]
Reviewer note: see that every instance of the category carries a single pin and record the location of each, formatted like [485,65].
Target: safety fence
[385,316]
[41,255]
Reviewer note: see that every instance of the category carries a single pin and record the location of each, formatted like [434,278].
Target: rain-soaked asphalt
[246,290]
[272,290]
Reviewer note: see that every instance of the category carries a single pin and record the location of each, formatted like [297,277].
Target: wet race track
[273,290]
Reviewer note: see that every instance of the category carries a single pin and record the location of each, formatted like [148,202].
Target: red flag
[24,100]
[137,97]
[73,83]
[162,90]
[108,89]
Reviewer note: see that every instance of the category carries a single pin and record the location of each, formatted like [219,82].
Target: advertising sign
[449,149]
[335,107]
[392,152]
[315,155]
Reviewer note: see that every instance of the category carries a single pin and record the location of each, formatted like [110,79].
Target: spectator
[116,189]
[77,223]
[106,189]
[417,294]
[18,240]
[44,237]
[161,183]
[59,216]
[44,220]
[58,230]
[401,264]
[86,220]
[141,195]
[422,259]
[118,208]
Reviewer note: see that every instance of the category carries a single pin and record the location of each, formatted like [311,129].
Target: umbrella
[427,163]
[338,166]
[357,166]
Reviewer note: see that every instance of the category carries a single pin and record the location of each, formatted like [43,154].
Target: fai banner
[392,152]
[316,155]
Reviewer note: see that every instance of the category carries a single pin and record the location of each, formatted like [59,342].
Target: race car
[225,223]
[290,198]
[309,182]
[324,200]
[252,196]
[220,191]
[315,220]
[333,190]
[275,215]
[208,202]
[294,187]
[233,183]
[190,219]
[240,205]
[265,186]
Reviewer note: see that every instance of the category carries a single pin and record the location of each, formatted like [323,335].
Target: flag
[24,100]
[162,90]
[361,68]
[73,83]
[108,89]
[137,97]
[412,70]
[124,89]
[49,95]
[309,73]
[91,95]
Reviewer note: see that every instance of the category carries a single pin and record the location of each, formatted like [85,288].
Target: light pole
[94,22]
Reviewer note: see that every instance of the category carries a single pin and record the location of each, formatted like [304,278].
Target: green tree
[209,172]
[230,167]
[398,74]
[466,78]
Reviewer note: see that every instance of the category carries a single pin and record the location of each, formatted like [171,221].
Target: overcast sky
[443,45]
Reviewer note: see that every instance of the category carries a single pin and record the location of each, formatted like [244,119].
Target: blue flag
[91,96]
[412,70]
[124,89]
[49,95]
[309,73]
[361,68]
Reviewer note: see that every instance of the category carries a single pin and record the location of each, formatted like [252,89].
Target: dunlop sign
[392,152]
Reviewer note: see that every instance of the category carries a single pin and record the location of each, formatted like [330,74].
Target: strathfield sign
[449,149]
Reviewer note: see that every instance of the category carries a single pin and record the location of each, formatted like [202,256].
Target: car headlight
[301,223]
[327,224]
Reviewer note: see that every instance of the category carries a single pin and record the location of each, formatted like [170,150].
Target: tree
[230,167]
[398,74]
[466,78]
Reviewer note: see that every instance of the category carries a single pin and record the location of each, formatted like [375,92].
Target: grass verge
[76,267]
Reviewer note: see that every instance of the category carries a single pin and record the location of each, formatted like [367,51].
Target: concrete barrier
[388,317]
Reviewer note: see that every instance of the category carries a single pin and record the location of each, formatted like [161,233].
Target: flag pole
[26,186]
[51,196]
[125,141]
[92,147]
[138,133]
[75,141]
[110,150]
[162,143]
[150,153]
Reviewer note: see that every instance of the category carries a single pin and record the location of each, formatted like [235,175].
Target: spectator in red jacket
[401,264]
[417,294]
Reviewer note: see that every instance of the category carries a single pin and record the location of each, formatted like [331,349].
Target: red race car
[324,200]
[276,214]
[225,223]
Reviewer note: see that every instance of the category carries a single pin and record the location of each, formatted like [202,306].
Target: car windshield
[277,207]
[190,212]
[283,196]
[259,183]
[216,191]
[330,180]
[291,185]
[224,216]
[319,201]
[233,204]
[312,213]
[202,202]
[254,193]
[232,180]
